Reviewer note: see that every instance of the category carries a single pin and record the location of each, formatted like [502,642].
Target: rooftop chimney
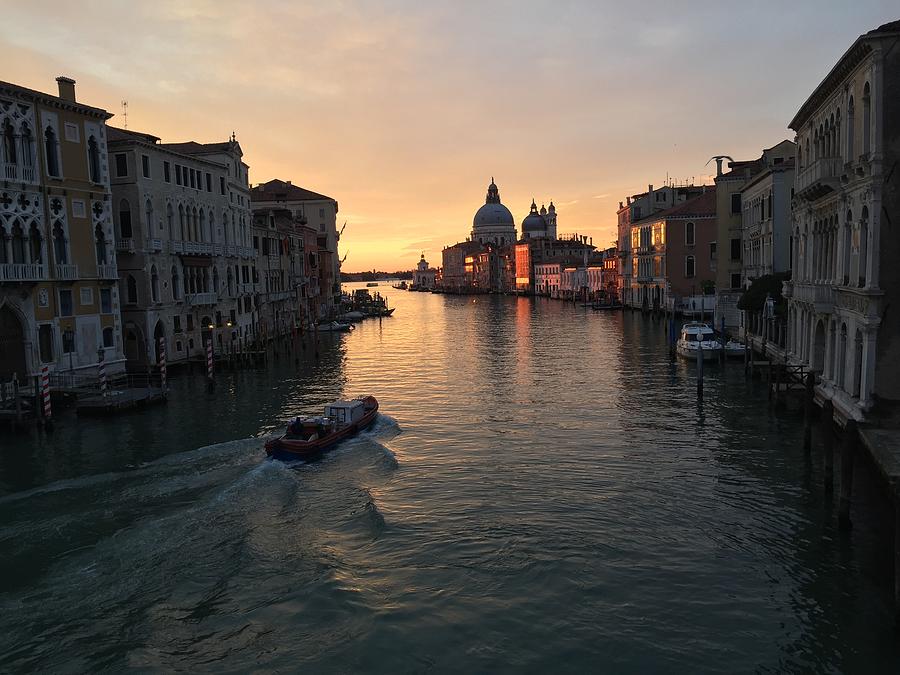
[66,88]
[287,182]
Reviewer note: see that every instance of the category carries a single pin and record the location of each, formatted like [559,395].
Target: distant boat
[334,327]
[308,436]
[734,349]
[698,336]
[372,284]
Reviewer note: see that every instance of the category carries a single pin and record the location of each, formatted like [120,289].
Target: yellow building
[59,301]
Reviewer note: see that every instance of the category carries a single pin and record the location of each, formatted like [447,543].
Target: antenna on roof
[125,113]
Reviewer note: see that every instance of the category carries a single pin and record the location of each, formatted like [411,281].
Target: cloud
[603,196]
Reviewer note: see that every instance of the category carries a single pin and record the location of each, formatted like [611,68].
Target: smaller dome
[534,221]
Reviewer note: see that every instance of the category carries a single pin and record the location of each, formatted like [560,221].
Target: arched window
[18,244]
[842,357]
[867,120]
[850,130]
[181,220]
[100,245]
[202,229]
[193,225]
[51,145]
[10,156]
[131,291]
[27,147]
[863,246]
[176,284]
[212,227]
[230,280]
[94,159]
[689,234]
[4,255]
[689,266]
[125,230]
[148,215]
[170,221]
[845,259]
[36,241]
[154,284]
[215,280]
[60,247]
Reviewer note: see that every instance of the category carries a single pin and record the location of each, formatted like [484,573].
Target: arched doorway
[819,348]
[159,333]
[134,344]
[12,346]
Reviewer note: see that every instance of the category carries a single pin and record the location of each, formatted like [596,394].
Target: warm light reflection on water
[542,492]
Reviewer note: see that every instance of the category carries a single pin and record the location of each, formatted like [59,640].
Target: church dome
[493,212]
[534,221]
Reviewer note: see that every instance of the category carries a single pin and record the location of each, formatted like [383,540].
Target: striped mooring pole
[101,367]
[162,363]
[45,392]
[209,359]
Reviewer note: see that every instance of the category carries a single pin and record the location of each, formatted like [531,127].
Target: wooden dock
[118,400]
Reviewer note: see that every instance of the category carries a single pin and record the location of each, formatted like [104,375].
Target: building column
[873,246]
[867,374]
[826,367]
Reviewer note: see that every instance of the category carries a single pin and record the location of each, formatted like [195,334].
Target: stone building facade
[845,210]
[182,237]
[59,303]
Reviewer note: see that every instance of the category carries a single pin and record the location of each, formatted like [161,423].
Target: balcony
[154,245]
[125,245]
[819,178]
[201,298]
[820,296]
[230,250]
[67,272]
[14,172]
[22,272]
[108,271]
[191,247]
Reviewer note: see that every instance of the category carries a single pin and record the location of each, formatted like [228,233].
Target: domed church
[493,223]
[539,224]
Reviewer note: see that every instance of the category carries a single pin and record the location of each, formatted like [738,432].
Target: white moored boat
[694,336]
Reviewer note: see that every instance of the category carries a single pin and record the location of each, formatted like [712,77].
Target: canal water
[543,493]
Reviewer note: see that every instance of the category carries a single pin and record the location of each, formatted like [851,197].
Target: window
[222,185]
[131,294]
[145,166]
[125,219]
[78,208]
[735,202]
[121,165]
[177,174]
[321,213]
[100,245]
[51,146]
[167,176]
[68,341]
[45,340]
[108,339]
[105,301]
[87,296]
[71,132]
[209,182]
[736,249]
[689,266]
[190,322]
[176,323]
[154,284]
[60,245]
[689,234]
[735,280]
[191,176]
[65,302]
[866,120]
[636,213]
[94,159]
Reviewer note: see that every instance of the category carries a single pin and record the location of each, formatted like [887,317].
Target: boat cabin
[309,428]
[697,332]
[343,413]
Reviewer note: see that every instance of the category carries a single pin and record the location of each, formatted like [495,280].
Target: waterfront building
[729,244]
[424,275]
[59,302]
[672,254]
[456,275]
[287,277]
[638,207]
[493,223]
[845,272]
[548,278]
[766,215]
[185,264]
[320,212]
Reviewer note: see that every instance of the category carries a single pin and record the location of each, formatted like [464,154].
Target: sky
[403,110]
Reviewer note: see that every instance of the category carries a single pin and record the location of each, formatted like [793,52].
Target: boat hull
[709,354]
[291,450]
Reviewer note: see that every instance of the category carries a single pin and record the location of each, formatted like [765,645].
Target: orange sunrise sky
[402,111]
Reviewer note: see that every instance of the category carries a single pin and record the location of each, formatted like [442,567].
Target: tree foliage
[754,298]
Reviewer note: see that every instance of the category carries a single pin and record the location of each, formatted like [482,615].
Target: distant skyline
[403,111]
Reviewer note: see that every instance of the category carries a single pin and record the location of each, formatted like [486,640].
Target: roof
[858,51]
[195,148]
[50,99]
[116,134]
[703,206]
[283,191]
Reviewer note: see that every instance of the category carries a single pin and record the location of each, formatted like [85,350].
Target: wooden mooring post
[828,445]
[848,454]
[700,368]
